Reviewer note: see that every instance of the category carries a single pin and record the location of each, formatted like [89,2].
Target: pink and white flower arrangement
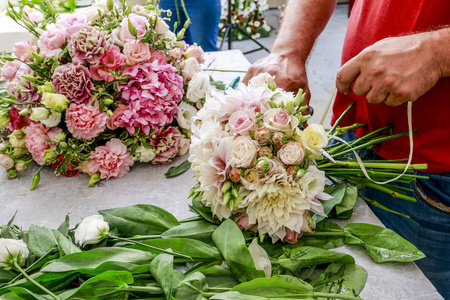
[254,163]
[98,89]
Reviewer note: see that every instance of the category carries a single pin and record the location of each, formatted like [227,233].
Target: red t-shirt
[371,21]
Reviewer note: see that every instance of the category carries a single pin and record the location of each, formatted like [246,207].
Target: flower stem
[390,192]
[340,118]
[379,165]
[32,265]
[140,237]
[16,265]
[147,289]
[148,246]
[230,71]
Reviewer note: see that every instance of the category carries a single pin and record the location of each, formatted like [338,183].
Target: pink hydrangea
[23,49]
[158,56]
[51,41]
[73,81]
[85,121]
[168,144]
[111,60]
[88,45]
[38,137]
[152,93]
[111,160]
[73,23]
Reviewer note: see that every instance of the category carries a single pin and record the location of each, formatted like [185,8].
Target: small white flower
[52,120]
[257,24]
[185,114]
[91,230]
[260,258]
[11,250]
[145,155]
[39,113]
[198,87]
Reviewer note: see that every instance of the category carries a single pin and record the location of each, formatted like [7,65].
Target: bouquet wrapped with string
[256,165]
[96,90]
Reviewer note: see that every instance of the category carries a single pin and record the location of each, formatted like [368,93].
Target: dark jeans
[431,234]
[205,17]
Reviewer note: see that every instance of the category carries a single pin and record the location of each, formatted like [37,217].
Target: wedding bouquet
[248,15]
[96,90]
[256,165]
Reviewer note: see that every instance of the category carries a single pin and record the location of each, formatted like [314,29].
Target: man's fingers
[346,75]
[376,96]
[361,86]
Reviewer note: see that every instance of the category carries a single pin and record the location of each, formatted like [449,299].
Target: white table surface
[55,197]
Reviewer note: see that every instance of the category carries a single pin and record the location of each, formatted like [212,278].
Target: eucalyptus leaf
[337,191]
[199,230]
[141,219]
[347,279]
[231,243]
[162,270]
[381,243]
[41,240]
[178,170]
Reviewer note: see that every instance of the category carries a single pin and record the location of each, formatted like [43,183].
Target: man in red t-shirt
[395,51]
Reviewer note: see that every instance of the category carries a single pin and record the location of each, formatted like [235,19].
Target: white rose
[11,250]
[314,139]
[261,80]
[313,182]
[198,87]
[39,113]
[243,152]
[190,66]
[185,114]
[91,230]
[291,153]
[162,28]
[91,12]
[145,155]
[52,120]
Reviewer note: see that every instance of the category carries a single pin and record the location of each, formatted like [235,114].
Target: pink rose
[73,23]
[85,121]
[291,236]
[136,52]
[9,70]
[235,175]
[262,135]
[23,49]
[291,153]
[115,120]
[111,160]
[243,223]
[196,52]
[51,41]
[276,119]
[241,122]
[38,136]
[122,34]
[6,161]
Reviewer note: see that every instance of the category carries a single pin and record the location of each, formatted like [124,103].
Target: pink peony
[51,41]
[168,144]
[73,23]
[38,136]
[111,160]
[136,52]
[122,34]
[242,121]
[152,94]
[23,49]
[88,45]
[73,81]
[111,60]
[85,121]
[115,120]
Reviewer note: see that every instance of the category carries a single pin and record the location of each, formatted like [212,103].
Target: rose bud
[292,170]
[262,135]
[262,167]
[235,175]
[266,152]
[279,138]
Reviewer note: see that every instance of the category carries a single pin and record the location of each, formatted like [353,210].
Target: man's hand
[394,70]
[289,72]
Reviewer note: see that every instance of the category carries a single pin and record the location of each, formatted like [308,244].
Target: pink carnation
[168,144]
[23,90]
[88,45]
[51,41]
[111,160]
[136,52]
[85,121]
[111,60]
[73,81]
[37,140]
[152,93]
[23,49]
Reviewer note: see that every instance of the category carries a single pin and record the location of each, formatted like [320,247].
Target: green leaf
[238,296]
[221,277]
[65,245]
[198,250]
[381,243]
[344,210]
[178,170]
[22,293]
[108,284]
[199,230]
[203,211]
[98,260]
[6,276]
[41,240]
[326,235]
[231,243]
[295,257]
[337,191]
[64,227]
[346,279]
[139,219]
[185,292]
[162,270]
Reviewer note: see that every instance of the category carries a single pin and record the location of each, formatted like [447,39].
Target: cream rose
[278,119]
[17,139]
[190,66]
[291,153]
[314,139]
[243,152]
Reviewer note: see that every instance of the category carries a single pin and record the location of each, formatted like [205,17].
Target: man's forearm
[441,47]
[302,24]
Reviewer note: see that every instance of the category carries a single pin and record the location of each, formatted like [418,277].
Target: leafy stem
[32,265]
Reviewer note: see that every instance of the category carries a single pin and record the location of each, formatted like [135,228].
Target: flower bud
[91,230]
[265,151]
[235,175]
[108,101]
[38,59]
[226,198]
[60,137]
[94,179]
[56,102]
[50,155]
[226,186]
[279,138]
[6,161]
[46,88]
[12,250]
[299,98]
[39,113]
[4,118]
[35,181]
[262,167]
[12,173]
[289,106]
[180,34]
[301,173]
[292,170]
[24,111]
[262,135]
[21,166]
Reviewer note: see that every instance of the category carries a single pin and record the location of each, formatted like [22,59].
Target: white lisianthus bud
[145,155]
[260,258]
[91,230]
[185,114]
[39,113]
[52,120]
[11,250]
